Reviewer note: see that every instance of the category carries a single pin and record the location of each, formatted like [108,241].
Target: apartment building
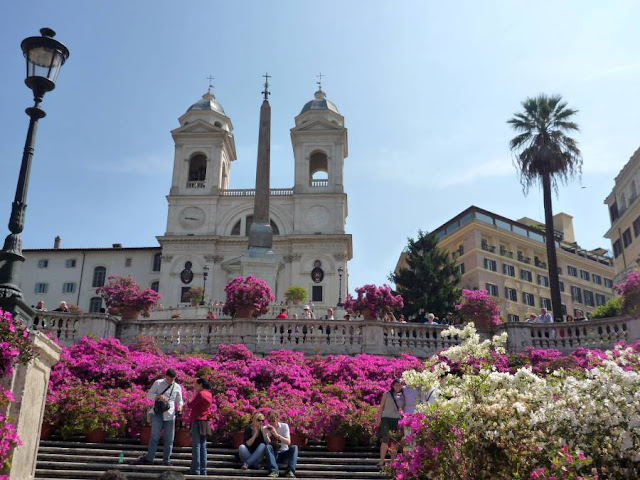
[624,213]
[508,259]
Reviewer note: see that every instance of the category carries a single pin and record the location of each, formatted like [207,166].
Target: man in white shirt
[307,313]
[169,393]
[279,449]
[545,317]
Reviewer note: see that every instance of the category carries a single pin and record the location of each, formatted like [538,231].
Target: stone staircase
[67,460]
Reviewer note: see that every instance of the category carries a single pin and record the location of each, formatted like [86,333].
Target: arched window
[197,168]
[95,305]
[237,228]
[217,124]
[318,166]
[99,276]
[157,262]
[155,286]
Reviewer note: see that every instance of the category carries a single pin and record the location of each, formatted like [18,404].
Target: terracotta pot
[336,443]
[299,439]
[45,431]
[296,301]
[182,438]
[96,436]
[236,439]
[145,434]
[194,303]
[128,313]
[481,321]
[368,314]
[244,312]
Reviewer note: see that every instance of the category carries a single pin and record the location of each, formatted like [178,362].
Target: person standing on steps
[391,408]
[167,397]
[200,429]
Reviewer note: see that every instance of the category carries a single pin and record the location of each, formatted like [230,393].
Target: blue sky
[425,88]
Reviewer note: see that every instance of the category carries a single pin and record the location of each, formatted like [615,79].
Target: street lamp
[205,272]
[340,272]
[44,56]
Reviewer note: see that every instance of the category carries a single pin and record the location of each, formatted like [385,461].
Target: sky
[425,88]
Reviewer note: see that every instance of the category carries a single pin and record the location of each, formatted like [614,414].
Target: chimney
[116,245]
[56,242]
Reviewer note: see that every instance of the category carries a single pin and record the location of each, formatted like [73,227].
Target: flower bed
[377,300]
[249,292]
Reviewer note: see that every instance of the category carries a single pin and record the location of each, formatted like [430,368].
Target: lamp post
[205,272]
[340,272]
[45,56]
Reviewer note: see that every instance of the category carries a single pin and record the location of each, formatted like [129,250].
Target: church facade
[208,222]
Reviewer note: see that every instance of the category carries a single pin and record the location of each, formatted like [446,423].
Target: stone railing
[319,183]
[251,192]
[68,328]
[196,184]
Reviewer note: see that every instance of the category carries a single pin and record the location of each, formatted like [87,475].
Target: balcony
[506,253]
[523,259]
[318,183]
[196,184]
[540,264]
[488,248]
[251,192]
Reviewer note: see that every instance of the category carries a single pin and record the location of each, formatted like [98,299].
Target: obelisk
[259,259]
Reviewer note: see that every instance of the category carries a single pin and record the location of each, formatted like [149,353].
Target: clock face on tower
[191,218]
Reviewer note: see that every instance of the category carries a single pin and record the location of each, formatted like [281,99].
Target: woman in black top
[253,450]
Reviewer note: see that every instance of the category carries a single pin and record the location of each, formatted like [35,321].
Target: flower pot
[296,301]
[368,314]
[96,436]
[194,303]
[145,434]
[244,312]
[299,439]
[336,443]
[128,313]
[237,438]
[45,431]
[182,437]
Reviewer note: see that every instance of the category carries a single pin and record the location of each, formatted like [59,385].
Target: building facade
[208,222]
[624,214]
[508,259]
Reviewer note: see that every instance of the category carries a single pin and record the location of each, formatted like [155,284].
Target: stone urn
[244,311]
[367,314]
[128,313]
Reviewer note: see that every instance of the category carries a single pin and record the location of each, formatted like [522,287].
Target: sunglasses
[261,419]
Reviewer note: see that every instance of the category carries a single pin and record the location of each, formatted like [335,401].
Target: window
[197,168]
[636,227]
[508,270]
[613,212]
[42,287]
[95,305]
[626,238]
[183,292]
[559,270]
[588,298]
[528,299]
[608,283]
[68,287]
[545,303]
[461,269]
[576,294]
[99,276]
[490,265]
[563,308]
[318,167]
[70,263]
[617,248]
[543,280]
[316,293]
[526,275]
[155,286]
[511,294]
[127,262]
[573,271]
[600,299]
[157,262]
[597,279]
[43,263]
[492,289]
[512,318]
[584,275]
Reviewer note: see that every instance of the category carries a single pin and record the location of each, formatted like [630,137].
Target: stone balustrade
[194,333]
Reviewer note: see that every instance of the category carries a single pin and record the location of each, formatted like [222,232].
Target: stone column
[29,385]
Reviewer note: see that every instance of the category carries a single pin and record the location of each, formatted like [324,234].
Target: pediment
[197,126]
[317,125]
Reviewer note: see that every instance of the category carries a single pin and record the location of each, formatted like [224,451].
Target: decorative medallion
[317,275]
[187,275]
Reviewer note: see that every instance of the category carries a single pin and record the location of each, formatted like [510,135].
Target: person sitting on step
[252,451]
[279,448]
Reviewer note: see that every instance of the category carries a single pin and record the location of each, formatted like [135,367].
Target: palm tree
[545,153]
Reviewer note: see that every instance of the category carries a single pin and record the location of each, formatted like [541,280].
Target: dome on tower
[207,102]
[319,102]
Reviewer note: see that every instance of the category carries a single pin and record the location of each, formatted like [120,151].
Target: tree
[429,282]
[545,153]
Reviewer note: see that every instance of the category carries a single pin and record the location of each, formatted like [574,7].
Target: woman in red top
[200,428]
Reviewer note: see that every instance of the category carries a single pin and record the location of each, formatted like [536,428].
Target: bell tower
[319,142]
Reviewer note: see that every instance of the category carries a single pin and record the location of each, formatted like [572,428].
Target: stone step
[73,475]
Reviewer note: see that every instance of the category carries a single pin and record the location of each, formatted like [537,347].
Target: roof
[119,249]
[208,102]
[320,102]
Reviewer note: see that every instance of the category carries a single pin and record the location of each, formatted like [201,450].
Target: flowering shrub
[379,300]
[15,347]
[247,292]
[630,291]
[124,293]
[498,419]
[194,294]
[478,307]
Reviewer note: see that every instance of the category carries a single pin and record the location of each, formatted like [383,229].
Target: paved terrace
[193,333]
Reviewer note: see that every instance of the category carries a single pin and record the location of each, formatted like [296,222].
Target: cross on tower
[266,91]
[319,82]
[211,79]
